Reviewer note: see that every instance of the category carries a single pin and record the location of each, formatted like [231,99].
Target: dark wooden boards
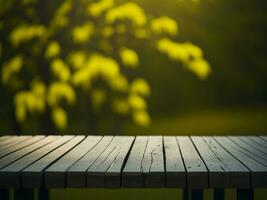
[251,151]
[10,175]
[18,143]
[76,174]
[193,163]
[106,170]
[225,171]
[145,166]
[55,175]
[132,175]
[8,141]
[4,137]
[153,163]
[175,170]
[256,143]
[264,138]
[6,160]
[258,171]
[197,173]
[32,176]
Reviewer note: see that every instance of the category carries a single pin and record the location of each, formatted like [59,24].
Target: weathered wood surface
[195,162]
[175,170]
[258,171]
[197,172]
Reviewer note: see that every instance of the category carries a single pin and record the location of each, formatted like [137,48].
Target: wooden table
[191,163]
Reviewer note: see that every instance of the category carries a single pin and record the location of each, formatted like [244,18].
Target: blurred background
[232,99]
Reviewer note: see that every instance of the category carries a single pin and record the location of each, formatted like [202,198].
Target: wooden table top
[133,162]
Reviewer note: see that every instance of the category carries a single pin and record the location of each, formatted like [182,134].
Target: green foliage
[99,62]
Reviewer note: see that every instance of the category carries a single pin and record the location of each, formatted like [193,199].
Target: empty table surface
[195,162]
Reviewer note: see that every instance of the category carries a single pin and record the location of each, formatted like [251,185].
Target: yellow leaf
[120,106]
[129,57]
[60,91]
[200,67]
[60,69]
[52,50]
[11,67]
[97,8]
[189,54]
[98,98]
[119,83]
[59,117]
[60,18]
[141,118]
[141,87]
[82,33]
[38,88]
[20,113]
[128,11]
[26,32]
[163,25]
[77,59]
[136,102]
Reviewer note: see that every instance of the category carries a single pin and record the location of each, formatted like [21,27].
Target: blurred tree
[55,53]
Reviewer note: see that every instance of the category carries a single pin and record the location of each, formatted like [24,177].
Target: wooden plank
[175,170]
[253,143]
[10,175]
[238,175]
[14,141]
[19,144]
[224,170]
[258,170]
[22,152]
[55,174]
[262,143]
[218,171]
[113,174]
[106,170]
[32,176]
[76,174]
[250,151]
[263,137]
[195,167]
[132,175]
[153,163]
[5,138]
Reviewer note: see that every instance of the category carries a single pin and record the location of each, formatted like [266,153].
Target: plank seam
[65,173]
[141,167]
[202,160]
[28,152]
[250,172]
[186,173]
[251,145]
[260,159]
[125,160]
[43,174]
[20,174]
[97,158]
[164,161]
